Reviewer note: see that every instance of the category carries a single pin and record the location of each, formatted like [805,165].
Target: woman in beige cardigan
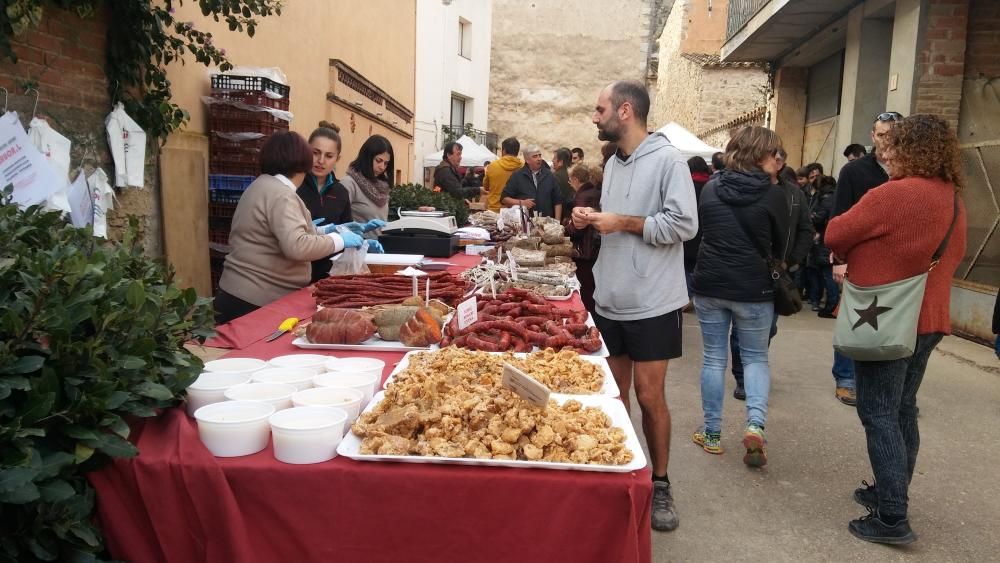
[273,239]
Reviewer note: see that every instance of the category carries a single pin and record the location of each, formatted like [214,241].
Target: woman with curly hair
[890,235]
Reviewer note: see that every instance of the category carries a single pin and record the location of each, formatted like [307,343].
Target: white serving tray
[394,259]
[350,446]
[609,389]
[373,344]
[560,298]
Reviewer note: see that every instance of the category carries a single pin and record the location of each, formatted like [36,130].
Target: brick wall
[64,60]
[942,59]
[982,53]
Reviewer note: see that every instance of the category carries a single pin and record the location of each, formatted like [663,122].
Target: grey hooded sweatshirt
[640,277]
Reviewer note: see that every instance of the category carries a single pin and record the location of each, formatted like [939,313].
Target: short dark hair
[564,156]
[814,166]
[511,146]
[449,148]
[285,153]
[329,131]
[826,182]
[855,150]
[718,162]
[635,94]
[804,172]
[374,146]
[698,164]
[578,151]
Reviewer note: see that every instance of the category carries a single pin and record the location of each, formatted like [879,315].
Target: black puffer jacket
[729,265]
[821,211]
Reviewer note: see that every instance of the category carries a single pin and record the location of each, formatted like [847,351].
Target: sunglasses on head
[890,116]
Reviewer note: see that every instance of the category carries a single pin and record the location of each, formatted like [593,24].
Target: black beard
[603,135]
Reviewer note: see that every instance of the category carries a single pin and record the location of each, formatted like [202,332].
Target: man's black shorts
[644,340]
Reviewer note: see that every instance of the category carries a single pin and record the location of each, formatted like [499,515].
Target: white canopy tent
[473,154]
[687,143]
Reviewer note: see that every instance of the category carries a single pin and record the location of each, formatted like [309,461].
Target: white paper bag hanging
[103,196]
[22,166]
[128,148]
[81,204]
[55,148]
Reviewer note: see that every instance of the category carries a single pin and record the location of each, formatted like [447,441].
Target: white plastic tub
[234,428]
[356,365]
[341,397]
[300,378]
[307,434]
[314,362]
[366,383]
[210,387]
[237,365]
[278,395]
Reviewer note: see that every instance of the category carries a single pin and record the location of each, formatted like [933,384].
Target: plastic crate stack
[235,137]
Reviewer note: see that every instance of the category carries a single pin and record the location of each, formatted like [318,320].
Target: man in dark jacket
[533,186]
[796,251]
[856,178]
[447,178]
[821,214]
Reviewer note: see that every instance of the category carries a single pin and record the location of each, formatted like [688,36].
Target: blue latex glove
[373,225]
[352,240]
[996,346]
[375,246]
[355,227]
[327,229]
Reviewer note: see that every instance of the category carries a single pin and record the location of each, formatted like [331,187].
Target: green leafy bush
[411,196]
[91,332]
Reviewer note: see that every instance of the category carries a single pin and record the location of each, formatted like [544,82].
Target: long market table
[177,502]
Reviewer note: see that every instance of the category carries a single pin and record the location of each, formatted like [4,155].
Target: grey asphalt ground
[798,506]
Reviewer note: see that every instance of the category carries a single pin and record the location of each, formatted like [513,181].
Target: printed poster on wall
[22,166]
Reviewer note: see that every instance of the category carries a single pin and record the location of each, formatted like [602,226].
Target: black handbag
[787,299]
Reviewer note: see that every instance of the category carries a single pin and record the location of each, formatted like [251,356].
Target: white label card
[525,386]
[468,313]
[512,264]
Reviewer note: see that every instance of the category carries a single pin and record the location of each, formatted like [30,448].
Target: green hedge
[411,196]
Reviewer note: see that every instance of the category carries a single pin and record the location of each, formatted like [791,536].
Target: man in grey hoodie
[648,209]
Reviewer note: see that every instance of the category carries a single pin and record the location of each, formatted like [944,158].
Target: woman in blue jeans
[732,282]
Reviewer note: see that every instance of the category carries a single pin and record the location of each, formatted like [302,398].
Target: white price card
[468,312]
[512,264]
[525,386]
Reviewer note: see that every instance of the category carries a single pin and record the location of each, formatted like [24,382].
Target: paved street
[798,507]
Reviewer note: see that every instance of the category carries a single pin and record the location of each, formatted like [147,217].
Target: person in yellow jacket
[499,171]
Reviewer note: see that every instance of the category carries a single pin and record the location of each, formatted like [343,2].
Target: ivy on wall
[143,37]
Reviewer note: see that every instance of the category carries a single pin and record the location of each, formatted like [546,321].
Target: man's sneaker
[664,516]
[847,396]
[866,496]
[740,393]
[872,528]
[754,442]
[709,441]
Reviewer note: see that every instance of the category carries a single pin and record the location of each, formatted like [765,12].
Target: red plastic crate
[251,98]
[227,119]
[220,236]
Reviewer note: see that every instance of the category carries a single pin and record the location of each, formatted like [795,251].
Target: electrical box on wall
[893,82]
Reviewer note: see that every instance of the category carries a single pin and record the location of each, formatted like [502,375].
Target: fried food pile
[561,372]
[450,404]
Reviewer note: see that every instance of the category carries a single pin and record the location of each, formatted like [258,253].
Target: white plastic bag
[56,149]
[350,261]
[104,199]
[81,203]
[515,217]
[128,148]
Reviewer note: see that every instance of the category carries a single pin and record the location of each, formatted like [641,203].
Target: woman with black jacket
[732,282]
[822,212]
[700,173]
[586,241]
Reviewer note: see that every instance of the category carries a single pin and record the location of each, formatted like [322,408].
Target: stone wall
[64,60]
[696,91]
[550,61]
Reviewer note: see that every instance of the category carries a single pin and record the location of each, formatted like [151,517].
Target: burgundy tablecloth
[176,502]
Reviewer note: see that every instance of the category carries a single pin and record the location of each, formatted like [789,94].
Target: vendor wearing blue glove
[325,197]
[273,239]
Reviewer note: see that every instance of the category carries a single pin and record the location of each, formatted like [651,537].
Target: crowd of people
[654,235]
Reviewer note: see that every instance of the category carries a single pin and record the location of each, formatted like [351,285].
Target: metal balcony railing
[487,139]
[740,12]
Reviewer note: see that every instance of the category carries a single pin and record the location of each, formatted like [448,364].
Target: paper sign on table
[525,386]
[468,312]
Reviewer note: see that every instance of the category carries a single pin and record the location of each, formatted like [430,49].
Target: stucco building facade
[550,59]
